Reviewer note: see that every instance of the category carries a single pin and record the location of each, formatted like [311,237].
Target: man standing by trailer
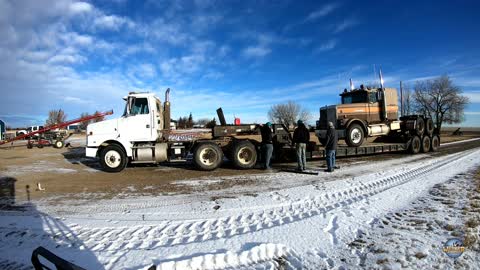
[301,136]
[331,147]
[267,144]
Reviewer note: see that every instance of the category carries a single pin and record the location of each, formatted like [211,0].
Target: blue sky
[245,56]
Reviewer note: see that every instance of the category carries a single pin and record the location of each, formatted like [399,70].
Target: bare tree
[408,101]
[83,125]
[202,122]
[56,117]
[288,113]
[441,100]
[98,119]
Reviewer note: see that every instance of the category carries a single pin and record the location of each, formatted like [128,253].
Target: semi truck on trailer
[369,112]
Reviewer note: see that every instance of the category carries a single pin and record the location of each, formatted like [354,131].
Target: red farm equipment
[47,136]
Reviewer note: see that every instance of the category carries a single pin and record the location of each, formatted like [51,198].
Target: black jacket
[331,140]
[267,137]
[301,134]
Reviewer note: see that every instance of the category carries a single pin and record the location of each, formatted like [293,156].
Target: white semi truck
[143,134]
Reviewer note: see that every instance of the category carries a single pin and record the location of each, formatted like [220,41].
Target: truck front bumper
[91,151]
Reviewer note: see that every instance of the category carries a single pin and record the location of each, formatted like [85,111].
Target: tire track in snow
[263,256]
[191,231]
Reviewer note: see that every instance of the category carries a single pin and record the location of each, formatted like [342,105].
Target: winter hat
[299,122]
[269,124]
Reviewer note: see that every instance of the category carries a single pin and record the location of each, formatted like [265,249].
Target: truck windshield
[360,97]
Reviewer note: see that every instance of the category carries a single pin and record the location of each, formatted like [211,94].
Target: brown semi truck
[373,112]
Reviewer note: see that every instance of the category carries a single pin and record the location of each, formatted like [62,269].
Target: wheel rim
[244,155]
[426,144]
[356,135]
[416,145]
[113,159]
[59,144]
[208,156]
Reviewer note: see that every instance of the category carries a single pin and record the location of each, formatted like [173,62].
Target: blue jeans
[301,156]
[330,159]
[267,154]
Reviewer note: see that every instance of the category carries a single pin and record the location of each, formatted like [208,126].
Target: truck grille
[327,114]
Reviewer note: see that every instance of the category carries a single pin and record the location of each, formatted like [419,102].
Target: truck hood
[104,127]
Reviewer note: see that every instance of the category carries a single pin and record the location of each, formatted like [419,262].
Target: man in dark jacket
[331,146]
[267,144]
[301,136]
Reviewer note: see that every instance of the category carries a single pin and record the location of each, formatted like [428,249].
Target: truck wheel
[244,155]
[207,156]
[355,135]
[426,143]
[59,144]
[415,145]
[429,126]
[113,158]
[419,127]
[435,143]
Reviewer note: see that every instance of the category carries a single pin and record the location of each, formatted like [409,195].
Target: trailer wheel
[207,156]
[419,127]
[59,144]
[244,155]
[415,145]
[429,126]
[40,145]
[435,143]
[355,135]
[29,145]
[113,158]
[426,143]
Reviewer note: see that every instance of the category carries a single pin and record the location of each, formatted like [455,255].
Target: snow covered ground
[392,214]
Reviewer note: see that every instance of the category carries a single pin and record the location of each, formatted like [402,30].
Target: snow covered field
[391,214]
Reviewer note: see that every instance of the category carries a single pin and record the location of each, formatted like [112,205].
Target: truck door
[373,108]
[137,124]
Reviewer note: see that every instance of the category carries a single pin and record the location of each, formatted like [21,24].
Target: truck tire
[419,127]
[244,155]
[207,156]
[113,158]
[415,145]
[429,126]
[355,135]
[426,144]
[59,144]
[435,143]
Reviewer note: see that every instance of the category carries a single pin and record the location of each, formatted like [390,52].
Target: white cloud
[256,51]
[327,46]
[112,22]
[344,25]
[472,113]
[80,7]
[67,59]
[473,96]
[322,12]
